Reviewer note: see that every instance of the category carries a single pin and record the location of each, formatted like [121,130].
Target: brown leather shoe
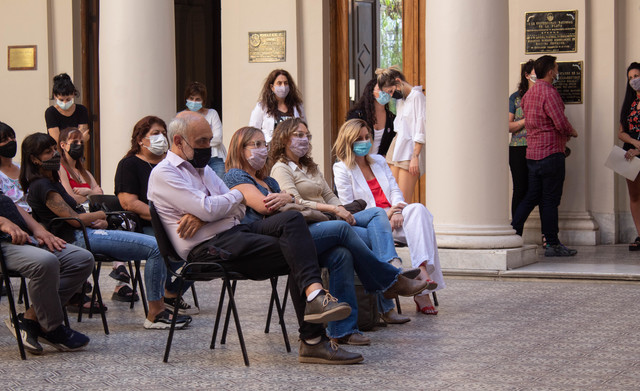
[393,317]
[325,308]
[326,352]
[405,287]
[354,339]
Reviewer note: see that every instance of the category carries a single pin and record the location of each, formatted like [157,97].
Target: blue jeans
[373,227]
[546,178]
[217,165]
[124,246]
[342,251]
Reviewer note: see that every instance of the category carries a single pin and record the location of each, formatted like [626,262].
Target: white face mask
[281,91]
[533,78]
[158,144]
[63,105]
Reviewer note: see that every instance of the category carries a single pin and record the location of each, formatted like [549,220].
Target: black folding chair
[6,274]
[207,271]
[111,206]
[99,258]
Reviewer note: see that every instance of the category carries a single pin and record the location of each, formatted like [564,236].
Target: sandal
[120,274]
[635,246]
[124,294]
[72,304]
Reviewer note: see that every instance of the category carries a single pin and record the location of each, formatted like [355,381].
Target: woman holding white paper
[629,132]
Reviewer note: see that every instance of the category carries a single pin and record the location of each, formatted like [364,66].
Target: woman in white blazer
[279,100]
[359,175]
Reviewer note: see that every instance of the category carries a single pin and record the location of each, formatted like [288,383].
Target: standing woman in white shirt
[279,100]
[361,175]
[406,155]
[196,97]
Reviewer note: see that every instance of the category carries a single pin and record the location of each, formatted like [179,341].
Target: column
[137,73]
[466,142]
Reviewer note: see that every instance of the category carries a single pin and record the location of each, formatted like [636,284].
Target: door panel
[363,48]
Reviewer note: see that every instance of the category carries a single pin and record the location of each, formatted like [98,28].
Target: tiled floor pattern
[490,334]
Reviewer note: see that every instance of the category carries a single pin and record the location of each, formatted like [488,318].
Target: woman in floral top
[629,132]
[518,144]
[9,171]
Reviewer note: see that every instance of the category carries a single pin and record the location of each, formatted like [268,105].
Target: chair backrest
[164,243]
[106,202]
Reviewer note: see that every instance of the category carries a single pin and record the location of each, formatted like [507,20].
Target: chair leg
[232,304]
[435,299]
[143,297]
[133,285]
[399,309]
[98,296]
[66,316]
[218,314]
[14,316]
[20,291]
[274,294]
[223,339]
[173,322]
[195,296]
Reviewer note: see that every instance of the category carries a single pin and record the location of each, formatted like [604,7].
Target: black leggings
[519,175]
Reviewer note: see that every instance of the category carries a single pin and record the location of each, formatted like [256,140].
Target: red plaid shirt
[548,129]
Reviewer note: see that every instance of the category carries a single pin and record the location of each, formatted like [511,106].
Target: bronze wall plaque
[570,83]
[551,32]
[267,46]
[21,58]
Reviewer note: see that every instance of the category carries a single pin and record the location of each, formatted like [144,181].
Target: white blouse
[409,124]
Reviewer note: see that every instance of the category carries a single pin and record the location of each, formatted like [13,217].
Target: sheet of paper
[617,162]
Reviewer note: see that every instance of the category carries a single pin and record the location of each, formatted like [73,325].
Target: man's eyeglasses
[302,135]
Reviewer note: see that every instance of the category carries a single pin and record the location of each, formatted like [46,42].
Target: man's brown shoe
[405,287]
[325,308]
[326,352]
[393,317]
[354,339]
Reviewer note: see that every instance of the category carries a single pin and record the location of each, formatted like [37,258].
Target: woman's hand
[82,191]
[344,214]
[396,220]
[414,166]
[275,201]
[631,154]
[99,224]
[394,209]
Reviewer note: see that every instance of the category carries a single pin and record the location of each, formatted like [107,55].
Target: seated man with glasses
[183,184]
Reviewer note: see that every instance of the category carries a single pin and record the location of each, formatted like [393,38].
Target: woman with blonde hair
[406,154]
[360,175]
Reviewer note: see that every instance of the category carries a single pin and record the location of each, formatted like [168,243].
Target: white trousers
[421,240]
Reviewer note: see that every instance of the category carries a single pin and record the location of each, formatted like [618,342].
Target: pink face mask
[299,146]
[258,158]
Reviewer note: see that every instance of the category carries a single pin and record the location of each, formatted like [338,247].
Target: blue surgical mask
[64,105]
[194,106]
[383,98]
[362,148]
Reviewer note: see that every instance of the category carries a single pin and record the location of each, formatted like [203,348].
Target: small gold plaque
[267,46]
[21,58]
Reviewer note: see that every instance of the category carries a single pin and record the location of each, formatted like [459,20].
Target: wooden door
[364,44]
[90,93]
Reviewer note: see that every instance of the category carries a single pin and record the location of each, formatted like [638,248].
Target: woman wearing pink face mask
[279,100]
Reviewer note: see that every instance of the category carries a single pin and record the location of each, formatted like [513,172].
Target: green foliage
[390,33]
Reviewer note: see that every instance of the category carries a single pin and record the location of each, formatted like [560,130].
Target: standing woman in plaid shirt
[630,133]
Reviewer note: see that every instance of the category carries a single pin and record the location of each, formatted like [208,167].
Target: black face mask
[397,95]
[9,149]
[201,156]
[52,164]
[76,151]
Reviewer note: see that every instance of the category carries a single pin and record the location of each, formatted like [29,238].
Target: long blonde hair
[387,76]
[347,135]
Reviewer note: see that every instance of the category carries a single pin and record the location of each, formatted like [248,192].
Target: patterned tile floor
[491,334]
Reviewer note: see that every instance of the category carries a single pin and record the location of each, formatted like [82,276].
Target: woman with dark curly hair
[518,143]
[377,115]
[279,100]
[629,132]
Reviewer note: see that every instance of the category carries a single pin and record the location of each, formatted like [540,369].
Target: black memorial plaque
[551,32]
[570,83]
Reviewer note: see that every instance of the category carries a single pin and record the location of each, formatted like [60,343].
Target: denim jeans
[217,165]
[124,246]
[373,227]
[546,178]
[342,251]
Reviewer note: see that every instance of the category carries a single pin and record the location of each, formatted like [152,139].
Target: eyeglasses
[256,144]
[302,135]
